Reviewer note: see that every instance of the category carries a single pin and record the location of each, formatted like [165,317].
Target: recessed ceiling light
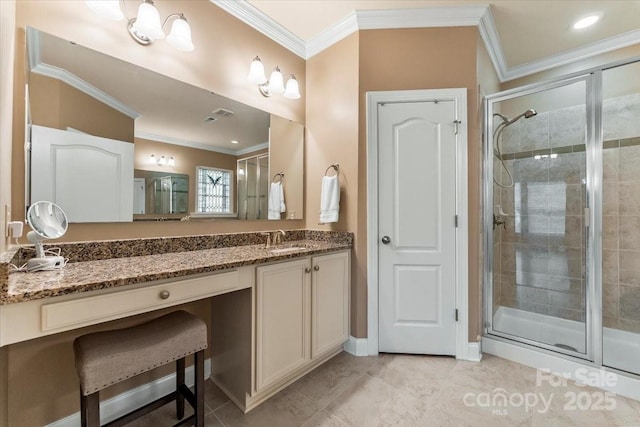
[234,142]
[585,22]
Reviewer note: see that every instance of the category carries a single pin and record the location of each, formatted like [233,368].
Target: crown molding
[77,83]
[491,40]
[37,66]
[198,145]
[343,28]
[34,41]
[396,18]
[252,16]
[252,149]
[573,55]
[463,16]
[469,15]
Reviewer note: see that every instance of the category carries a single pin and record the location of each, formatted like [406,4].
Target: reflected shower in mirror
[81,94]
[160,193]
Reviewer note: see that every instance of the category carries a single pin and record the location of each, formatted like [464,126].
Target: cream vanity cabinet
[301,312]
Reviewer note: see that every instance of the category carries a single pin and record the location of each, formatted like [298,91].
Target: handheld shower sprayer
[498,132]
[506,121]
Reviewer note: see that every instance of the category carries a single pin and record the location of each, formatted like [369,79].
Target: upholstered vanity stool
[106,358]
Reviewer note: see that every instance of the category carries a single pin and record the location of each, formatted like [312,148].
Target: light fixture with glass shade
[275,83]
[162,161]
[147,27]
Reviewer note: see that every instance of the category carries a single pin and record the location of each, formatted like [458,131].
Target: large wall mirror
[114,142]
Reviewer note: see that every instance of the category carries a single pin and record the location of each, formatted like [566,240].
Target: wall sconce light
[275,84]
[162,161]
[146,27]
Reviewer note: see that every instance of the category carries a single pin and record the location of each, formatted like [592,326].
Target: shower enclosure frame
[593,214]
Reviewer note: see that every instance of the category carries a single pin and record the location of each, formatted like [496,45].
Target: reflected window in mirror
[213,190]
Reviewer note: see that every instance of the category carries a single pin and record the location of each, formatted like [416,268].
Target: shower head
[527,115]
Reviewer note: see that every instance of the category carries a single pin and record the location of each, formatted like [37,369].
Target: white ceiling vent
[210,119]
[222,112]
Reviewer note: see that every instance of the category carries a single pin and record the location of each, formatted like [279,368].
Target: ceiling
[528,31]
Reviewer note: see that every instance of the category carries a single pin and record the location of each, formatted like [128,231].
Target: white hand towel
[330,199]
[276,200]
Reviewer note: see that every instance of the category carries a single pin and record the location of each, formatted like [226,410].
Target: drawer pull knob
[164,294]
[307,270]
[316,268]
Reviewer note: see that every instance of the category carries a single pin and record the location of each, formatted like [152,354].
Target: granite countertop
[91,275]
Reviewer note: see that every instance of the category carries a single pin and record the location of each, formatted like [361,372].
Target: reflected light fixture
[275,83]
[147,27]
[162,161]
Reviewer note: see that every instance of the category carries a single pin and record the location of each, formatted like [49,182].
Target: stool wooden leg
[90,409]
[179,383]
[199,381]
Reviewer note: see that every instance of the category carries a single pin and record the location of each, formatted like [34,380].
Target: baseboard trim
[474,352]
[357,346]
[111,409]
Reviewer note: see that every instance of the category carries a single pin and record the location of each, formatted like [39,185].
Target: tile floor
[422,391]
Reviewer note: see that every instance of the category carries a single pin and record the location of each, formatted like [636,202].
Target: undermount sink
[287,249]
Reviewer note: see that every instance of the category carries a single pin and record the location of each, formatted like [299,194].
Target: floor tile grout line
[220,407]
[218,418]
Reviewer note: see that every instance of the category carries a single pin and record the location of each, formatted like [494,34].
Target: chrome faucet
[277,237]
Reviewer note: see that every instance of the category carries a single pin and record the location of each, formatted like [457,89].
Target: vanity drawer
[101,308]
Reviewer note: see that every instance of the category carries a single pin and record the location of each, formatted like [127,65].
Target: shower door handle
[386,240]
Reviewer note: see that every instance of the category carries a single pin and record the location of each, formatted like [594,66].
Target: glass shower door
[536,159]
[621,218]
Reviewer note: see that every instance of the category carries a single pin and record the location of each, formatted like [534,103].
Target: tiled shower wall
[621,213]
[539,256]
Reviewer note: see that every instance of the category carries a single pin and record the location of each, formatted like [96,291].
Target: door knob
[316,267]
[386,240]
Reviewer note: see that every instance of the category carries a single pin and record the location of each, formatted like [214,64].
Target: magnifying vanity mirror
[47,221]
[114,142]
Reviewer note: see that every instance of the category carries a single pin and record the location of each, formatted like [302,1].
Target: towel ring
[280,175]
[335,167]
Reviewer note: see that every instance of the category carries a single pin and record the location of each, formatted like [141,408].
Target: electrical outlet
[15,229]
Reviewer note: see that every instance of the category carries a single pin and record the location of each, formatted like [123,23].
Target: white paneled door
[417,227]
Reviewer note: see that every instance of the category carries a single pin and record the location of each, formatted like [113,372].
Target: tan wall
[55,104]
[7,48]
[332,137]
[186,159]
[425,58]
[287,155]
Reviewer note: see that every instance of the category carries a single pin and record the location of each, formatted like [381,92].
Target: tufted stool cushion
[106,358]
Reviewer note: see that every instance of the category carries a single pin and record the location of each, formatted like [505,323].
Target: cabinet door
[283,320]
[330,302]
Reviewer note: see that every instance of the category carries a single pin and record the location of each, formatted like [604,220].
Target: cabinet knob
[164,294]
[316,267]
[307,270]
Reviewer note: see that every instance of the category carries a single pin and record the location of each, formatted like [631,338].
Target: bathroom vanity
[276,312]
